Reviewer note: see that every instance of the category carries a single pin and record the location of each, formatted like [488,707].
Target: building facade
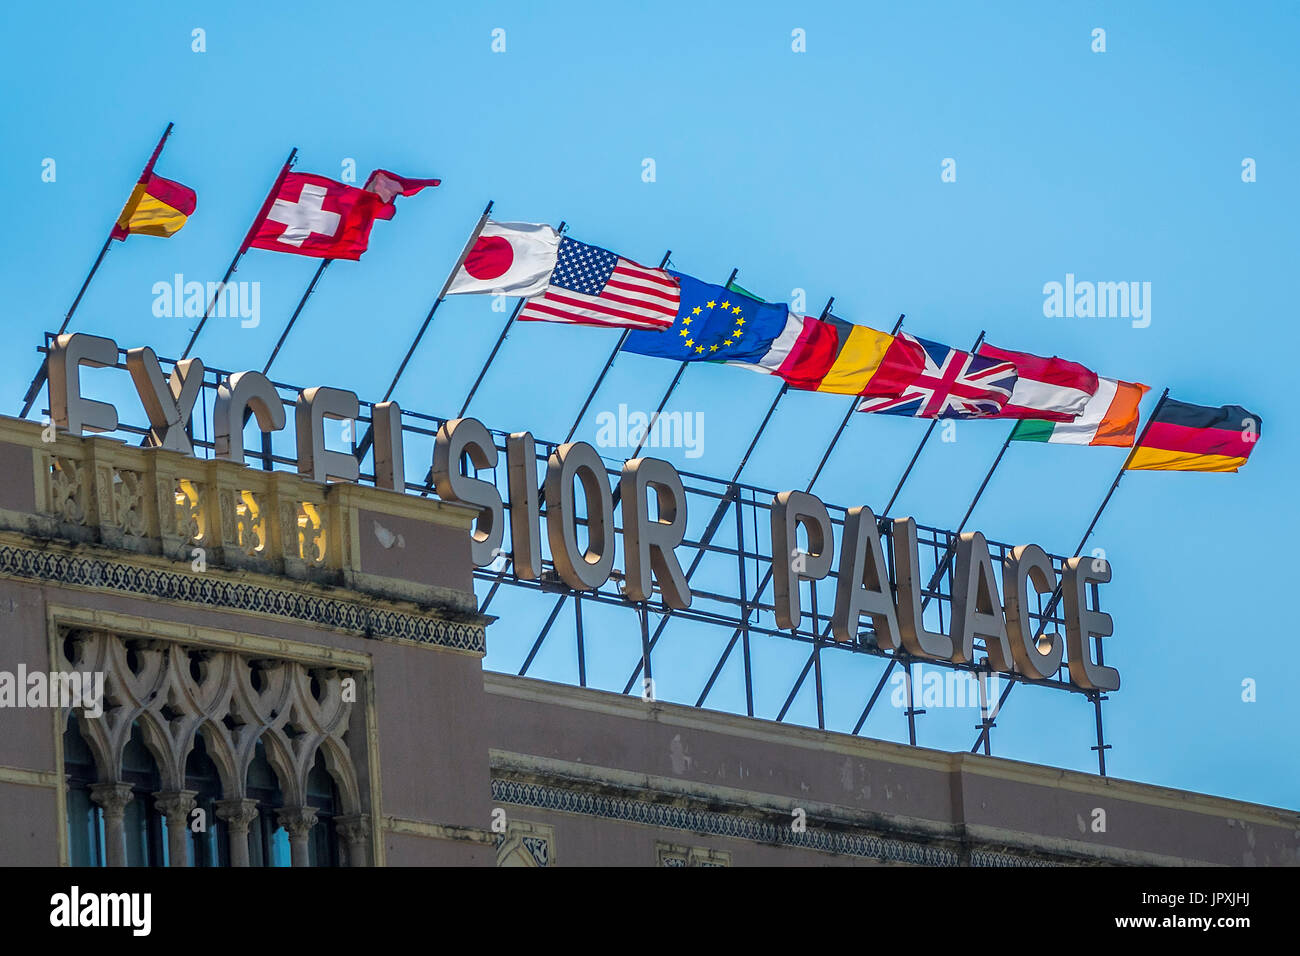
[290,673]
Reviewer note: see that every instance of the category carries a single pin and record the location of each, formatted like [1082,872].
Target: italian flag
[1109,418]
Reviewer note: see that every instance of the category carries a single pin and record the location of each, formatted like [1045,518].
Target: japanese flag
[516,258]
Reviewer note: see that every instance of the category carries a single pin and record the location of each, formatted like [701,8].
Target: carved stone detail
[67,490]
[174,692]
[127,502]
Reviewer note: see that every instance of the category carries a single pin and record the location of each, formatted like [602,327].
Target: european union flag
[713,324]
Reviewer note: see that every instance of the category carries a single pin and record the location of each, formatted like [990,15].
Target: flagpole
[591,395]
[482,221]
[921,447]
[1122,470]
[39,380]
[950,550]
[496,348]
[311,287]
[733,491]
[605,371]
[1058,590]
[369,437]
[853,407]
[248,238]
[615,496]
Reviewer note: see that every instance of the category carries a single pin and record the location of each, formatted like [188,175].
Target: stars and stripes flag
[950,384]
[593,286]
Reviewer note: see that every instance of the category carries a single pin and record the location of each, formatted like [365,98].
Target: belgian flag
[1185,437]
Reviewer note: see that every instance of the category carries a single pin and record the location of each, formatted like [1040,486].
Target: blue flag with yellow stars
[713,324]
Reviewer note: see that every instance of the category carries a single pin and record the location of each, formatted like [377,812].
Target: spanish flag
[157,207]
[1184,437]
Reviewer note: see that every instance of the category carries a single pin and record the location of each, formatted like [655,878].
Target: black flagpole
[1122,470]
[369,437]
[950,551]
[234,263]
[311,287]
[591,395]
[921,447]
[853,407]
[268,459]
[1050,607]
[496,348]
[605,371]
[733,492]
[35,388]
[482,221]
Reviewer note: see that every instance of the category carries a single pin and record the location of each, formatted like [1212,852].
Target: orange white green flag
[1109,418]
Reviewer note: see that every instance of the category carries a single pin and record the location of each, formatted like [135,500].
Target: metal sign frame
[744,557]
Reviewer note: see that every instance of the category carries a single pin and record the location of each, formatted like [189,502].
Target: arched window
[268,842]
[146,829]
[211,847]
[322,794]
[85,817]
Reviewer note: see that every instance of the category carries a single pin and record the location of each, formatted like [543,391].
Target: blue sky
[817,171]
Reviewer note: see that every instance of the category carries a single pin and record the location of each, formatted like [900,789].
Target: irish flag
[1110,417]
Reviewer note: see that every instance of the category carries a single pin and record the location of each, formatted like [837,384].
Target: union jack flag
[952,384]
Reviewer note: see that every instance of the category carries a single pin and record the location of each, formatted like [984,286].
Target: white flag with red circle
[514,258]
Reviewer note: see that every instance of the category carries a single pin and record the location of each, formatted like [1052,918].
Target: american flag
[593,286]
[952,384]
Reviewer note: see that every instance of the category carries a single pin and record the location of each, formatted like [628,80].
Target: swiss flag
[311,215]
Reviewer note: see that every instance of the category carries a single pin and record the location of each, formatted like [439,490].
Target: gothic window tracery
[210,757]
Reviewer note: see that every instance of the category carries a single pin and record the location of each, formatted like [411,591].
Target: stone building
[292,675]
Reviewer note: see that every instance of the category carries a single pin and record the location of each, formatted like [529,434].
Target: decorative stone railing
[216,513]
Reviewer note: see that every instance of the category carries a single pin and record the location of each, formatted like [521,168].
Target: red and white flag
[1050,389]
[310,215]
[388,186]
[593,286]
[514,258]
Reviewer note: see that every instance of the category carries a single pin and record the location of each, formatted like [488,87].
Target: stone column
[238,816]
[176,805]
[298,821]
[113,798]
[354,831]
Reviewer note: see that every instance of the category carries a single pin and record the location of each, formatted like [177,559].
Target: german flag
[1184,437]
